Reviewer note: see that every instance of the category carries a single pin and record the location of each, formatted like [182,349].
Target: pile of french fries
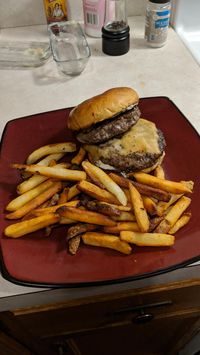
[98,208]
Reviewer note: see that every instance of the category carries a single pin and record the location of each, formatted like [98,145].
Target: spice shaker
[115,32]
[157,22]
[55,10]
[94,11]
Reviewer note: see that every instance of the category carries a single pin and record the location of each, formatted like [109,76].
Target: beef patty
[134,161]
[103,131]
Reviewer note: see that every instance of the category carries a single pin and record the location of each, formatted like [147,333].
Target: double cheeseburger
[114,135]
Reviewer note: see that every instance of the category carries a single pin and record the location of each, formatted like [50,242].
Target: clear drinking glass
[69,47]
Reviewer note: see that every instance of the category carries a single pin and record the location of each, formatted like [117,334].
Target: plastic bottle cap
[159,1]
[116,42]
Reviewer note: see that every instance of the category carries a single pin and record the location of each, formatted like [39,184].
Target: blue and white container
[157,22]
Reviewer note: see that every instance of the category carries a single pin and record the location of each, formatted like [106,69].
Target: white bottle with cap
[94,11]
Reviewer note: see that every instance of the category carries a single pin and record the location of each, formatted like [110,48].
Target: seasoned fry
[53,172]
[63,196]
[66,147]
[21,200]
[91,175]
[142,188]
[147,239]
[139,210]
[109,184]
[106,241]
[52,209]
[79,157]
[182,221]
[173,215]
[101,207]
[122,226]
[35,202]
[159,172]
[85,216]
[125,216]
[149,205]
[166,185]
[80,228]
[96,192]
[31,225]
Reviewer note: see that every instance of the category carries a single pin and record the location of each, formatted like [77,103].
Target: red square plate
[44,261]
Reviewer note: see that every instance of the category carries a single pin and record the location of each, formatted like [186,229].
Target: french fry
[122,226]
[72,192]
[20,229]
[35,202]
[63,196]
[66,147]
[163,206]
[85,216]
[21,200]
[79,156]
[96,192]
[119,207]
[106,241]
[173,215]
[108,183]
[182,221]
[147,239]
[165,185]
[52,209]
[92,176]
[80,228]
[125,216]
[159,172]
[149,205]
[142,188]
[189,184]
[139,210]
[34,181]
[48,159]
[53,172]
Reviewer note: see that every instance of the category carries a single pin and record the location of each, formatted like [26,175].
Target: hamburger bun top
[102,107]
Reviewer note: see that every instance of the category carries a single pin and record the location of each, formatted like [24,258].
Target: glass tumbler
[69,47]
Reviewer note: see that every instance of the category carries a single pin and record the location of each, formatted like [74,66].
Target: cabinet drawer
[155,303]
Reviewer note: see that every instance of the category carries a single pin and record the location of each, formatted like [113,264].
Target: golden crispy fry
[63,196]
[125,216]
[80,215]
[119,207]
[159,172]
[79,157]
[149,205]
[147,239]
[166,185]
[36,202]
[48,159]
[52,209]
[139,210]
[72,192]
[66,147]
[35,180]
[182,221]
[122,226]
[189,184]
[106,241]
[96,192]
[173,215]
[108,183]
[91,175]
[142,188]
[21,200]
[53,172]
[163,206]
[31,225]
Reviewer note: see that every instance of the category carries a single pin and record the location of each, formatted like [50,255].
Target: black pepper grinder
[115,32]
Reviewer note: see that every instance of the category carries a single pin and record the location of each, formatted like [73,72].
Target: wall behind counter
[31,12]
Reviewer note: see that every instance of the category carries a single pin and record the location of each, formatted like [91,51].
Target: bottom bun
[138,149]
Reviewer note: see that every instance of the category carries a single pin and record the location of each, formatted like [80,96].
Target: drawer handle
[142,317]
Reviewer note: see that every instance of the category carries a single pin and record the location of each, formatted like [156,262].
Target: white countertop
[168,71]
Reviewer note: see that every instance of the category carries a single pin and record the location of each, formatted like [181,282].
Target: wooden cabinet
[155,320]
